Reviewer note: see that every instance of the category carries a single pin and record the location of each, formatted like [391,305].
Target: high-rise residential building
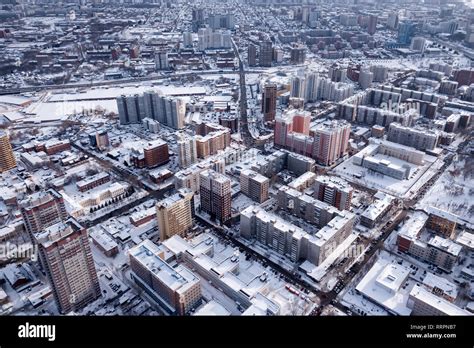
[67,259]
[380,73]
[448,87]
[266,53]
[161,60]
[151,125]
[7,158]
[330,141]
[420,139]
[187,153]
[177,289]
[252,55]
[297,88]
[406,30]
[254,185]
[469,38]
[210,139]
[372,25]
[334,91]
[290,240]
[189,177]
[216,195]
[230,121]
[298,54]
[334,191]
[418,44]
[198,18]
[297,121]
[166,110]
[175,214]
[365,78]
[337,73]
[211,143]
[130,109]
[392,20]
[269,98]
[102,139]
[311,87]
[210,39]
[187,39]
[41,210]
[221,21]
[135,108]
[156,153]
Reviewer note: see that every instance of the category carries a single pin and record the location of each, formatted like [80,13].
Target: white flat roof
[212,308]
[432,280]
[423,295]
[379,286]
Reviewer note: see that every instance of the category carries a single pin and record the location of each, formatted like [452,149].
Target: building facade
[175,214]
[67,259]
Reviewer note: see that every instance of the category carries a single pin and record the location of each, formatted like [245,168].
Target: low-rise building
[426,303]
[374,212]
[105,243]
[93,181]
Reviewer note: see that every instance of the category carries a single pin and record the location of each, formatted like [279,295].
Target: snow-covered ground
[454,190]
[400,188]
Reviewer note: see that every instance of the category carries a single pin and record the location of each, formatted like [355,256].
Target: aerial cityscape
[237,157]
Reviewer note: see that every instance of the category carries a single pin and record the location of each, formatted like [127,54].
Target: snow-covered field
[419,174]
[454,190]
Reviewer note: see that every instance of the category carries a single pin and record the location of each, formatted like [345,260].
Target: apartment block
[254,185]
[67,259]
[175,214]
[177,289]
[215,193]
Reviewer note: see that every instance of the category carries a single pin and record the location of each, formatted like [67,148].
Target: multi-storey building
[7,158]
[437,250]
[67,258]
[266,53]
[305,207]
[254,185]
[269,98]
[441,222]
[334,191]
[161,60]
[289,240]
[175,214]
[424,302]
[43,209]
[189,177]
[93,181]
[187,152]
[420,139]
[54,146]
[167,111]
[216,195]
[330,141]
[177,289]
[298,54]
[153,154]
